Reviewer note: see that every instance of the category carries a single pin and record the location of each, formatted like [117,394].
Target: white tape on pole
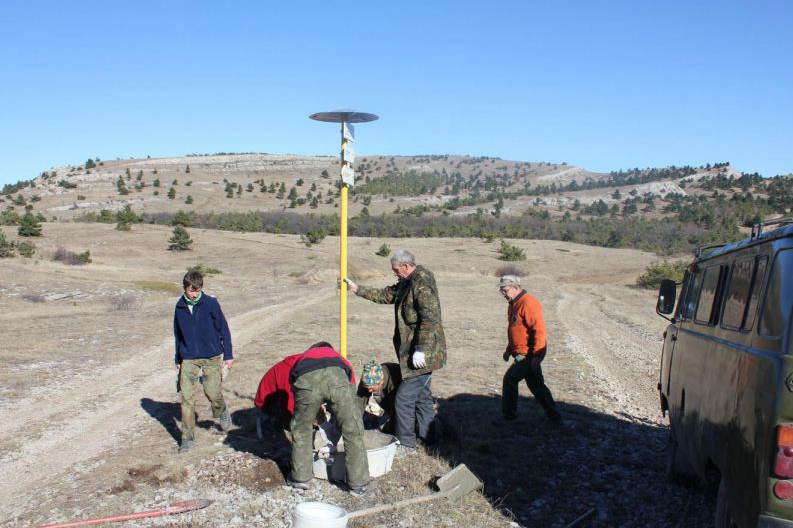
[347,175]
[349,155]
[348,131]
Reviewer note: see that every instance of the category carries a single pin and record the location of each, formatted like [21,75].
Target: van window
[684,293]
[693,294]
[737,293]
[743,292]
[757,289]
[776,307]
[706,299]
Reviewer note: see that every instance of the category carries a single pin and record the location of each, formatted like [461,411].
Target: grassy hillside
[666,210]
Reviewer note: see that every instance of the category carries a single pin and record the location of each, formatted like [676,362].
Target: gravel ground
[112,450]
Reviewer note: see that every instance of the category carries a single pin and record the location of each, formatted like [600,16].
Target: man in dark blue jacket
[203,345]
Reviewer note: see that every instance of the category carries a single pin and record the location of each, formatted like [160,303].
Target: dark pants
[528,369]
[414,409]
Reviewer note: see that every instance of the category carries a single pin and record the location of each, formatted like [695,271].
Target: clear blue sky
[604,85]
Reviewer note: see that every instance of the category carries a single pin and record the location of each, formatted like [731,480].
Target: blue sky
[603,85]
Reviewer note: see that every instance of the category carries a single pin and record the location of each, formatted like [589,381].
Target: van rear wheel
[723,517]
[678,468]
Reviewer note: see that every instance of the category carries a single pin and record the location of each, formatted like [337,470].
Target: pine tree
[180,240]
[26,249]
[29,226]
[125,218]
[181,219]
[6,247]
[171,193]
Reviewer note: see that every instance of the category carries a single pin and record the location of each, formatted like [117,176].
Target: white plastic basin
[380,451]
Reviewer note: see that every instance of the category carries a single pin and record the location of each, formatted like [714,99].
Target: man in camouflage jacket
[418,340]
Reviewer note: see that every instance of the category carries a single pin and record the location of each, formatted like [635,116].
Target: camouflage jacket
[417,313]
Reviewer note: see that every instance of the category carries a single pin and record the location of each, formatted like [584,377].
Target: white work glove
[352,285]
[419,361]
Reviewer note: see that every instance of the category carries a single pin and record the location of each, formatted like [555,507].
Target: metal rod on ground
[580,519]
[176,507]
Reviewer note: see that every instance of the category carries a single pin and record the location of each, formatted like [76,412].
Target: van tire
[678,468]
[723,519]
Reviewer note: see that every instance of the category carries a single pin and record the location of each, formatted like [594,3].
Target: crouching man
[380,382]
[317,376]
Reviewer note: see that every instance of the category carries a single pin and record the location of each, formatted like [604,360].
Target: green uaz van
[727,375]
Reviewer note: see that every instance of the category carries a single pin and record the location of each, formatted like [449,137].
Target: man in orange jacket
[527,344]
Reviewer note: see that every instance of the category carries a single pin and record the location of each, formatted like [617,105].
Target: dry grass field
[89,408]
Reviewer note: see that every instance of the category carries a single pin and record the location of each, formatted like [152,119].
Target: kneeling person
[380,383]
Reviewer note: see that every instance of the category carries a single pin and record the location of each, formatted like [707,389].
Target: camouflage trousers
[329,384]
[189,381]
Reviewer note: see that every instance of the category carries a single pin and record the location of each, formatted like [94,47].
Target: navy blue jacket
[203,333]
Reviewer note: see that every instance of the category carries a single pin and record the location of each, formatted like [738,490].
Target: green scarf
[192,302]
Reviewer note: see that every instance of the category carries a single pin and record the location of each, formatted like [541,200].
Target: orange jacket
[526,327]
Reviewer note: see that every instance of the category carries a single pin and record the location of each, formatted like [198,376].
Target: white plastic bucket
[318,515]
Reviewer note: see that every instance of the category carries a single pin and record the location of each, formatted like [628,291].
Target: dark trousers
[414,409]
[526,368]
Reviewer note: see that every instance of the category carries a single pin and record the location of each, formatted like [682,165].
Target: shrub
[123,303]
[181,218]
[657,271]
[29,226]
[180,239]
[69,257]
[510,253]
[26,248]
[9,218]
[384,250]
[510,269]
[203,269]
[313,236]
[34,297]
[6,247]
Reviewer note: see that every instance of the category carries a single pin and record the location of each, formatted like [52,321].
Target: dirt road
[95,423]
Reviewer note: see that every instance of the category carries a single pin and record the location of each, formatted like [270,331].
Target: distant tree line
[664,237]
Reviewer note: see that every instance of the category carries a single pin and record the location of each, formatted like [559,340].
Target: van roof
[780,232]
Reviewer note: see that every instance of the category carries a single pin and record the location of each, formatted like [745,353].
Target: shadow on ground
[169,414]
[546,474]
[274,445]
[535,472]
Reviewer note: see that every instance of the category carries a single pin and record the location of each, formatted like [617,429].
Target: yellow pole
[343,256]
